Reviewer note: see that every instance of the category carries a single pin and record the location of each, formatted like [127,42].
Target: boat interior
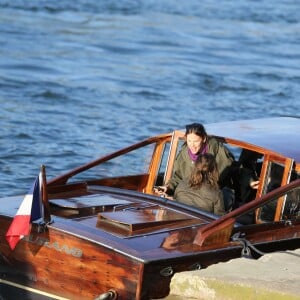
[154,159]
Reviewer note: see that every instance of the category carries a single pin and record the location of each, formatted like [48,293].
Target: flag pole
[47,215]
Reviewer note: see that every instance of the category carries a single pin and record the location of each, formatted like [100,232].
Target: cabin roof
[279,134]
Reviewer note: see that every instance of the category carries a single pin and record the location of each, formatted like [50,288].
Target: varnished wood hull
[77,259]
[68,266]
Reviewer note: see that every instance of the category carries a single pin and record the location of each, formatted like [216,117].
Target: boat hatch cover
[138,220]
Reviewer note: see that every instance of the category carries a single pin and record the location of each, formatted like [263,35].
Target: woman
[202,189]
[197,142]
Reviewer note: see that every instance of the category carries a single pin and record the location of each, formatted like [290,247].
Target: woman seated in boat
[202,188]
[197,143]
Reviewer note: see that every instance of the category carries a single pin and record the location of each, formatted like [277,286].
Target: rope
[246,245]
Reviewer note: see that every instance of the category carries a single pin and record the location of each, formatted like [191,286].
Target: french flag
[31,209]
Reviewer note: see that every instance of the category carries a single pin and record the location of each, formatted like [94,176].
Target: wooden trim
[62,179]
[285,178]
[155,163]
[220,234]
[172,156]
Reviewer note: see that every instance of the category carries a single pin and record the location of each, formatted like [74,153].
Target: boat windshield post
[45,200]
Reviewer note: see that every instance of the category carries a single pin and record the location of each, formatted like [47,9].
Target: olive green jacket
[183,164]
[205,197]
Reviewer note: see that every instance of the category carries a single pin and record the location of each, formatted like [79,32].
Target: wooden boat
[111,237]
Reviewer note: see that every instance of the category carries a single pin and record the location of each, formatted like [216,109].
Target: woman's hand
[160,190]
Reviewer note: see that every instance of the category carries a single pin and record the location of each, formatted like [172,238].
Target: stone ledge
[274,276]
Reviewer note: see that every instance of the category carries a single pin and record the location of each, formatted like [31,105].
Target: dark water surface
[79,79]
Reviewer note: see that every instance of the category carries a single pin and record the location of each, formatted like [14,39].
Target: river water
[80,79]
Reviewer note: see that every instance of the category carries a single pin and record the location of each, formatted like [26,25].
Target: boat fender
[109,295]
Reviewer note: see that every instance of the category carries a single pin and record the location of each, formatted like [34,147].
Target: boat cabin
[273,143]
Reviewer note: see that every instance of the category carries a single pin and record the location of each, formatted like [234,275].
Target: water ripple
[80,79]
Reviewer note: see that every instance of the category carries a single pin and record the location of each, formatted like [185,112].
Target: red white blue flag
[31,209]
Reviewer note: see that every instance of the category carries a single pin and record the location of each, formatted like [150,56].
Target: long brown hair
[204,171]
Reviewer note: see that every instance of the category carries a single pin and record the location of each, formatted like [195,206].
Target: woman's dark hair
[204,171]
[196,128]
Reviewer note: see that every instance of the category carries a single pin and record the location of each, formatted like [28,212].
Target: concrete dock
[274,276]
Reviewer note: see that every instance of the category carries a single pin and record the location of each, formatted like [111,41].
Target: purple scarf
[193,156]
